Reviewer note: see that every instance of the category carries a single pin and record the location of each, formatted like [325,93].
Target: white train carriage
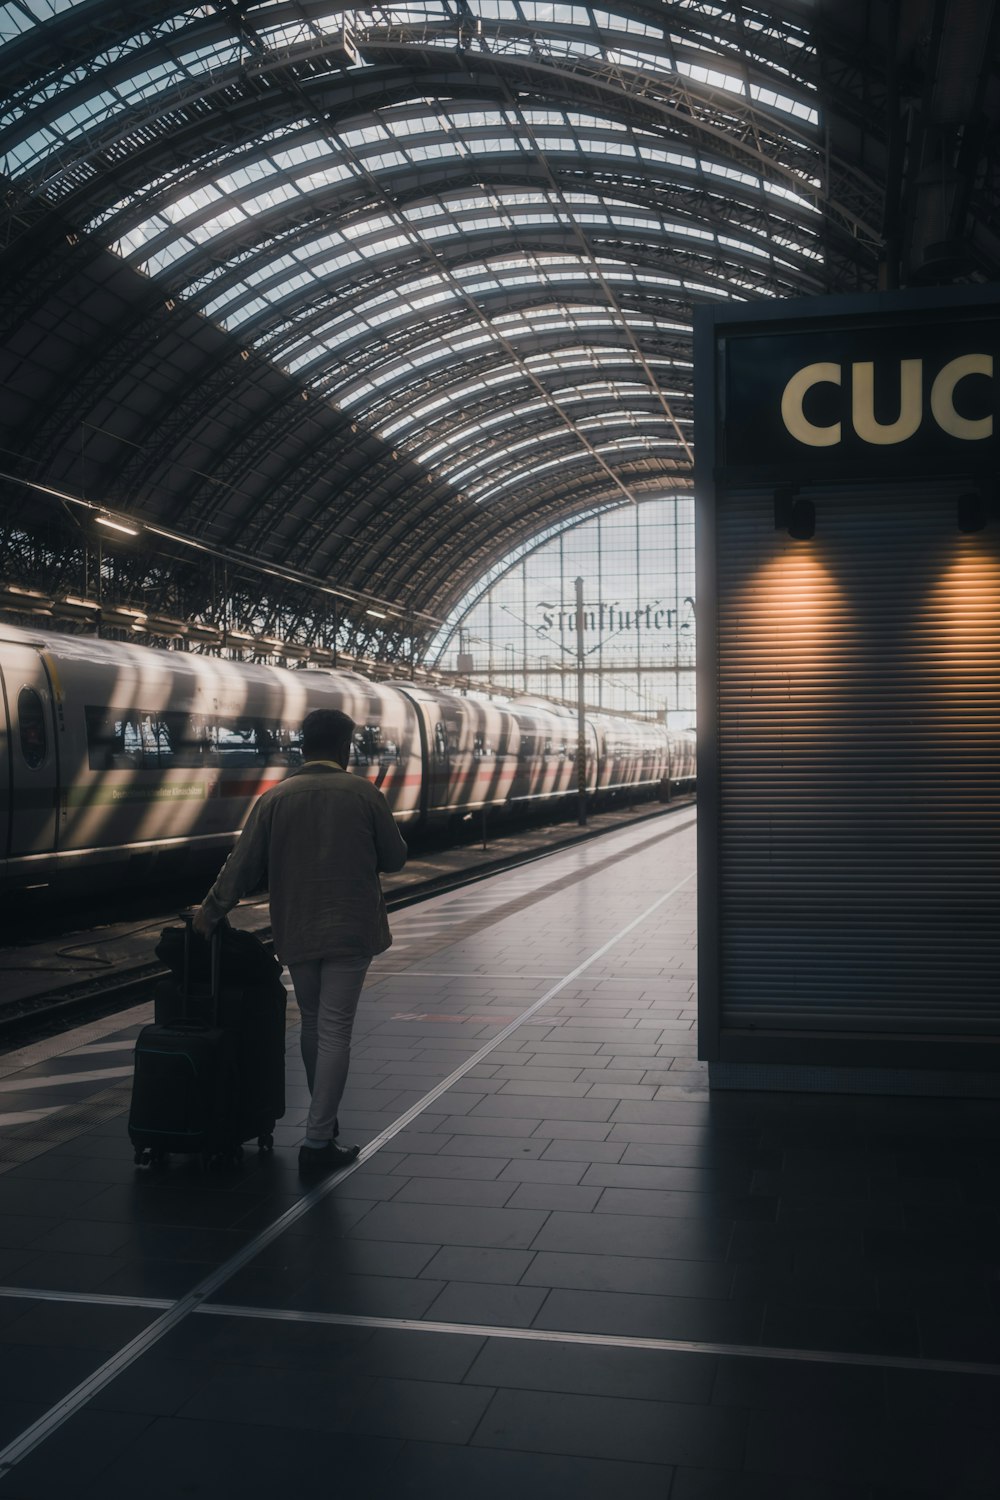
[118,752]
[682,768]
[631,755]
[547,751]
[387,743]
[470,752]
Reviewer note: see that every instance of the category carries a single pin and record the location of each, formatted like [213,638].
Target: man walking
[319,838]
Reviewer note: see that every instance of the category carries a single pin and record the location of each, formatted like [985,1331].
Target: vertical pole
[638,601]
[524,623]
[581,722]
[600,596]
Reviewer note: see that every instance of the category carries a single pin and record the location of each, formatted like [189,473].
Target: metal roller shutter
[859,765]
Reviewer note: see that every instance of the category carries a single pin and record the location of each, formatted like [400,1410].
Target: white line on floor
[528,1335]
[603,1340]
[435,974]
[92,1299]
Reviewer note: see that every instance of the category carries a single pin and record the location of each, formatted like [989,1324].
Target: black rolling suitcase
[250,1006]
[209,1072]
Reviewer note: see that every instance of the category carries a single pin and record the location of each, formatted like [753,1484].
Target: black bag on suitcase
[210,1071]
[245,965]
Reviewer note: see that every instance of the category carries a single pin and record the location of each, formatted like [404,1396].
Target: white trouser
[327,991]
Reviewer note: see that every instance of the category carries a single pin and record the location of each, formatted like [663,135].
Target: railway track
[95,995]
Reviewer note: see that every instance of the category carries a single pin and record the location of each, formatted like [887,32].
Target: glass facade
[519,629]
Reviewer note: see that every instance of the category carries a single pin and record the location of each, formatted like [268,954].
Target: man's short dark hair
[327,734]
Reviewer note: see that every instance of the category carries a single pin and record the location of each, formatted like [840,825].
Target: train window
[245,741]
[440,740]
[180,740]
[31,726]
[278,744]
[369,749]
[114,739]
[147,741]
[127,739]
[234,742]
[290,753]
[136,739]
[451,724]
[155,740]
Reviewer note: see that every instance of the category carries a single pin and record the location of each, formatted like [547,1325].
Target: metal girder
[384,560]
[794,270]
[285,323]
[478,444]
[719,198]
[627,246]
[662,343]
[94,371]
[451,566]
[722,124]
[708,119]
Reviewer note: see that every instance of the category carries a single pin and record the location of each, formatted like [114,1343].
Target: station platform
[94,941]
[559,1269]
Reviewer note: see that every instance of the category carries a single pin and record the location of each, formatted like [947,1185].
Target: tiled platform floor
[568,1273]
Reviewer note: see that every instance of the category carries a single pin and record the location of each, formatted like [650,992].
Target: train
[128,759]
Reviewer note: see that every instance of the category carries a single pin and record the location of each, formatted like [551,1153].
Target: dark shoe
[328,1158]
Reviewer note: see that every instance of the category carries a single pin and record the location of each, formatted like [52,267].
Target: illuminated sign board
[903,396]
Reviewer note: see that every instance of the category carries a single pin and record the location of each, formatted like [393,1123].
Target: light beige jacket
[318,840]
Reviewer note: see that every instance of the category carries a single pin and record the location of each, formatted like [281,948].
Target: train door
[32,769]
[593,758]
[436,780]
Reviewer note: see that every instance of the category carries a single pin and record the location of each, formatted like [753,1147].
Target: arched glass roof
[455,243]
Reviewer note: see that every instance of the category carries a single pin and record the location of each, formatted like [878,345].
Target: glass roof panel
[611,398]
[314,167]
[457,222]
[25,151]
[521,477]
[537,255]
[22,15]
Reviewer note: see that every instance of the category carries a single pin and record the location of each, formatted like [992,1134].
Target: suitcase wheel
[265,1142]
[149,1157]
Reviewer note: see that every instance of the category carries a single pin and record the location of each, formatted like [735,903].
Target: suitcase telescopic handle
[215,960]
